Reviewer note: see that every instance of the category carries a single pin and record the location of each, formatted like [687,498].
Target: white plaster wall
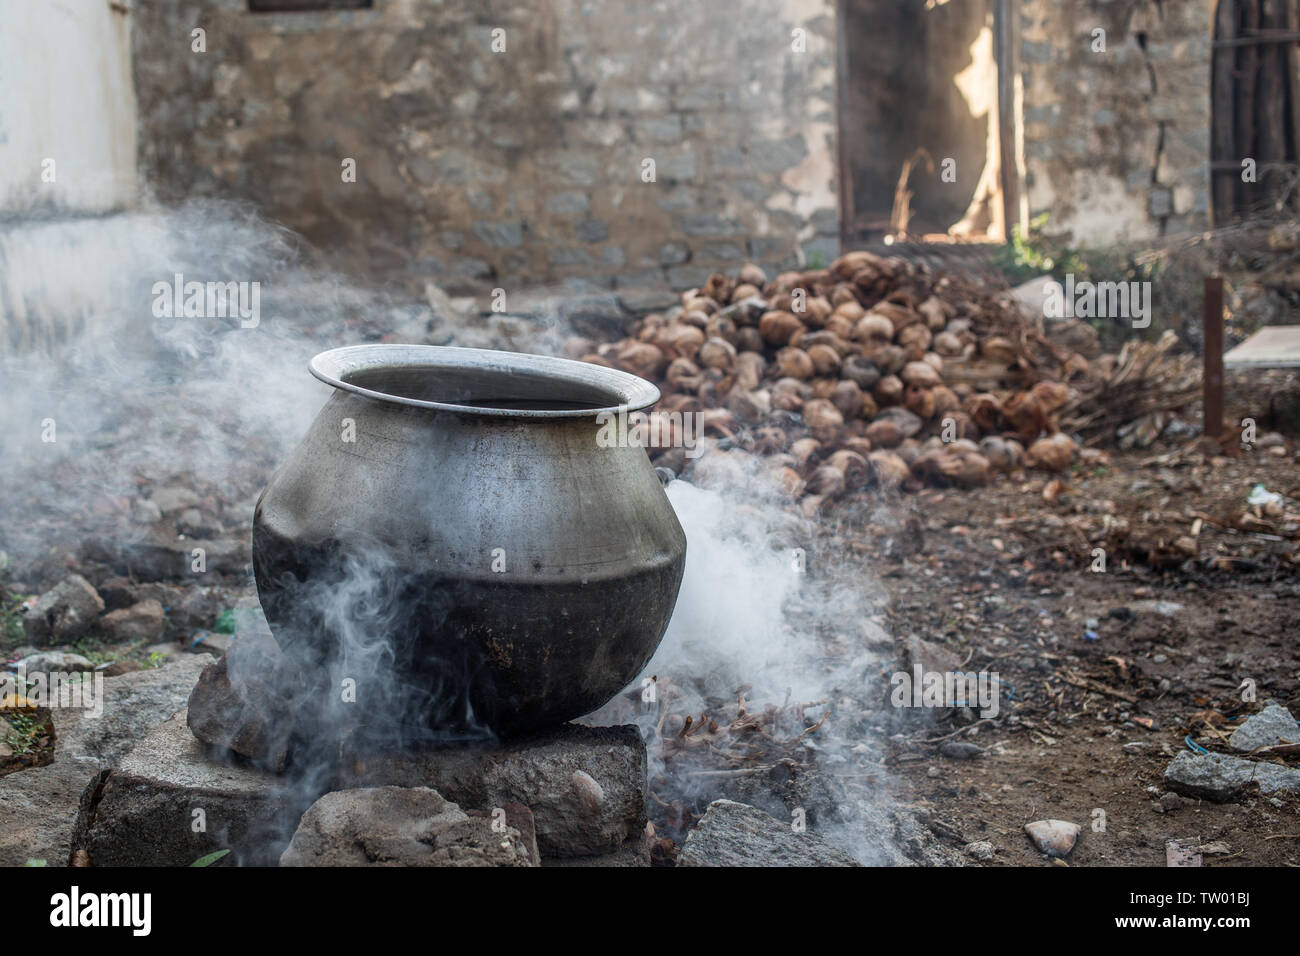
[66,94]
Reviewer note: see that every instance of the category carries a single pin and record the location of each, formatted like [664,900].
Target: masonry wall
[477,168]
[1117,142]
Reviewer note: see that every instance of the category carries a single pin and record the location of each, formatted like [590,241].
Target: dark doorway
[923,153]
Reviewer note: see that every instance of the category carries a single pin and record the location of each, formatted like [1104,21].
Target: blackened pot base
[438,660]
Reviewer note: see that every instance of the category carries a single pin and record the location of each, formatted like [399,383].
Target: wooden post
[1222,121]
[1212,322]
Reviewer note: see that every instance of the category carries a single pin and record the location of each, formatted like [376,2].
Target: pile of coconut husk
[876,371]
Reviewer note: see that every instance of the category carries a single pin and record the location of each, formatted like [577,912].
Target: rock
[1169,802]
[145,512]
[400,826]
[211,641]
[1224,778]
[41,810]
[736,834]
[161,555]
[174,498]
[59,661]
[143,621]
[146,812]
[932,658]
[1053,837]
[132,704]
[63,613]
[960,750]
[586,786]
[981,850]
[1271,726]
[254,715]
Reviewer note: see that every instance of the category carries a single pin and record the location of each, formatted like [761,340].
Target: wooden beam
[1008,64]
[1271,104]
[1247,68]
[848,210]
[1221,135]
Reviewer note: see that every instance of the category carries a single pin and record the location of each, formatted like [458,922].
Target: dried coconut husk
[717,353]
[890,358]
[860,370]
[888,391]
[840,326]
[827,481]
[1024,412]
[794,362]
[749,369]
[823,388]
[985,410]
[884,434]
[945,400]
[683,375]
[642,358]
[847,397]
[804,451]
[777,328]
[750,405]
[949,345]
[817,312]
[680,340]
[577,346]
[825,360]
[748,339]
[873,329]
[752,274]
[853,466]
[915,336]
[822,418]
[1053,453]
[889,470]
[718,288]
[1002,455]
[919,401]
[921,374]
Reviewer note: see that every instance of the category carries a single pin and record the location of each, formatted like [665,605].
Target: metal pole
[1212,402]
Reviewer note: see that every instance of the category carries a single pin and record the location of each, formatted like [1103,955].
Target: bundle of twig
[1146,377]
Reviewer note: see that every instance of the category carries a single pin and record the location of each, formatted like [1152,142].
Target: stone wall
[1117,142]
[477,168]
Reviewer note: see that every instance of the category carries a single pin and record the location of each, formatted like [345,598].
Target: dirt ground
[1004,579]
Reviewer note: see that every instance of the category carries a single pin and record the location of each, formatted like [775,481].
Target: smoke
[104,399]
[773,651]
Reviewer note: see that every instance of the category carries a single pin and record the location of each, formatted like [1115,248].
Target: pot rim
[335,365]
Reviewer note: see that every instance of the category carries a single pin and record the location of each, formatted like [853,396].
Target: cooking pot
[467,541]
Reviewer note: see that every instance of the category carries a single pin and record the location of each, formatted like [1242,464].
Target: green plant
[156,659]
[26,731]
[1031,252]
[11,620]
[210,858]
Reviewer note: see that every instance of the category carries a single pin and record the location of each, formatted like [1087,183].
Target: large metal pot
[452,536]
